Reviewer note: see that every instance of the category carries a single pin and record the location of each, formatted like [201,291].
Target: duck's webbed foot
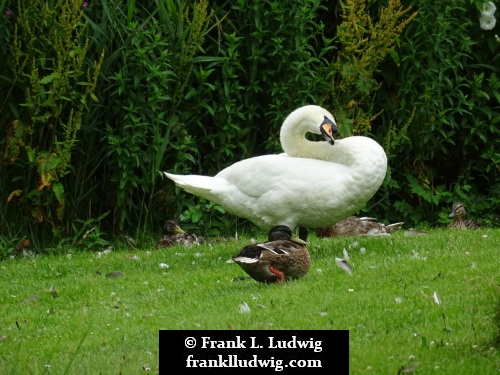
[280,275]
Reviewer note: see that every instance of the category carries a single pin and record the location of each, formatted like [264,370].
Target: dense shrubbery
[131,89]
[448,76]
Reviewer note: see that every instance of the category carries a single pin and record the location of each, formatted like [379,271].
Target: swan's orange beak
[328,129]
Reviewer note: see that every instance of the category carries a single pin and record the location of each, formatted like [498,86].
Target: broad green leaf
[49,78]
[58,190]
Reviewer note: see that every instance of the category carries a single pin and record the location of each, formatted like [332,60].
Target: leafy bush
[142,98]
[448,78]
[52,90]
[112,93]
[362,43]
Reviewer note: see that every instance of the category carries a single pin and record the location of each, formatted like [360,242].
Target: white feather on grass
[344,265]
[244,308]
[436,298]
[346,255]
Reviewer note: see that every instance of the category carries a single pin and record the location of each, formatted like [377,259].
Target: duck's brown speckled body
[173,235]
[283,257]
[358,226]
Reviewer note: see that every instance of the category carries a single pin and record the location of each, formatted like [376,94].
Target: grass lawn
[62,314]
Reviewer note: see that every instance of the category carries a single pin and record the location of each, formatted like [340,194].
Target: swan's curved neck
[358,152]
[294,142]
[304,148]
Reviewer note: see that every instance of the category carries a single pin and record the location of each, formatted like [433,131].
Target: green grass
[97,324]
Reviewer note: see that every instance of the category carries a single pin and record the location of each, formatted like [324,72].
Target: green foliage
[396,137]
[208,217]
[46,59]
[9,246]
[446,83]
[150,77]
[87,235]
[362,46]
[7,81]
[249,102]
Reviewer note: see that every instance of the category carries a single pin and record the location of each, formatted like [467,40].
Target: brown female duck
[283,257]
[458,214]
[173,234]
[358,226]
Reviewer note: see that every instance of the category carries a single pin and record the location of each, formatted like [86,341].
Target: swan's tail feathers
[202,186]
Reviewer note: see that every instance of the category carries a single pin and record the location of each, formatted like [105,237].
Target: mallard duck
[458,214]
[358,226]
[311,185]
[173,234]
[283,257]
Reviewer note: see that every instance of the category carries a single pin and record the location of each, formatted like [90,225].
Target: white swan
[312,185]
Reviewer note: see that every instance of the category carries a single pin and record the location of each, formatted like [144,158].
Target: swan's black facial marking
[328,129]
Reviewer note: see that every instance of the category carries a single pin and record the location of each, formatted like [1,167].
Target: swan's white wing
[257,176]
[291,191]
